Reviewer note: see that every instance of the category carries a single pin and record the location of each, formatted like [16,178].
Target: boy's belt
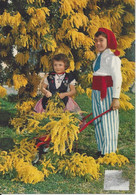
[101,83]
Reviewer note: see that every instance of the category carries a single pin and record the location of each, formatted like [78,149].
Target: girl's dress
[58,83]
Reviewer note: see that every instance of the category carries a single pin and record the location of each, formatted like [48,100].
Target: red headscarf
[112,42]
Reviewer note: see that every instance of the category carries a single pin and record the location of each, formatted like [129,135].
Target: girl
[59,81]
[106,87]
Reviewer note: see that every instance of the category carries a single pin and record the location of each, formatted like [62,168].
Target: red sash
[101,83]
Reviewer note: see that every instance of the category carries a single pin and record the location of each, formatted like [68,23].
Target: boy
[106,87]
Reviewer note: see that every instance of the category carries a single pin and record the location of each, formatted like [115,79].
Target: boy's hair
[100,33]
[61,57]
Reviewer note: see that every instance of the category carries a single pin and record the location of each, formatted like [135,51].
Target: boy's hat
[112,42]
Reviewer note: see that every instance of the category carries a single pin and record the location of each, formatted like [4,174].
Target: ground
[59,183]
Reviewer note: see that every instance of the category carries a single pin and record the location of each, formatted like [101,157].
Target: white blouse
[58,81]
[110,65]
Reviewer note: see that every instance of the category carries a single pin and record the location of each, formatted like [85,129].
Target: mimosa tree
[38,29]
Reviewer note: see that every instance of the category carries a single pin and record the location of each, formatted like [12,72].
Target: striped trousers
[107,126]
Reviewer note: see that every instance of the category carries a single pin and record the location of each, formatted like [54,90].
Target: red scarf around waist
[101,83]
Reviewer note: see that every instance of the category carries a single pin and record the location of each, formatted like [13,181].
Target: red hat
[112,42]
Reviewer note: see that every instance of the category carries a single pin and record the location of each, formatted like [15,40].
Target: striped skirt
[107,126]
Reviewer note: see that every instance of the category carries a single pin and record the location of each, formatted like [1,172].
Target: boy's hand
[62,95]
[48,94]
[115,104]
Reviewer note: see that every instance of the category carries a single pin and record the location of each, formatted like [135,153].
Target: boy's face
[59,66]
[100,43]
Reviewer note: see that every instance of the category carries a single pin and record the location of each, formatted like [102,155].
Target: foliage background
[38,29]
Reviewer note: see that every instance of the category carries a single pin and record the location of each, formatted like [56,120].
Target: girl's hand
[115,104]
[62,95]
[48,94]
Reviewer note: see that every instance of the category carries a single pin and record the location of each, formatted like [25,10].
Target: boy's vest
[63,87]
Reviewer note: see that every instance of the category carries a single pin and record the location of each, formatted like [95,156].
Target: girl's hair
[61,57]
[100,33]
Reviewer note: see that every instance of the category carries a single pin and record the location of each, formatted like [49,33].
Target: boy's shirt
[110,65]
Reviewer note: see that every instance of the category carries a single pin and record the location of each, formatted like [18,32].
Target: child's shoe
[97,155]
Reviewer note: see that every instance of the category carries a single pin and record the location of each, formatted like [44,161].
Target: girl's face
[100,43]
[59,66]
